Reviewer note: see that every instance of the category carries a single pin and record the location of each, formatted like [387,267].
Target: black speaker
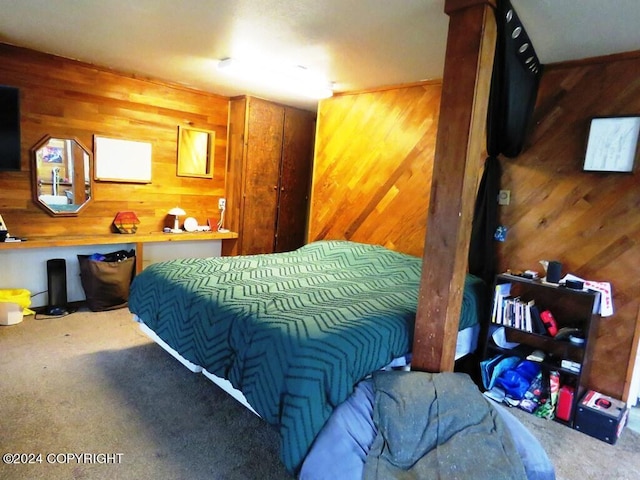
[57,286]
[554,272]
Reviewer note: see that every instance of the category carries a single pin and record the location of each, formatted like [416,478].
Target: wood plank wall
[373,164]
[372,177]
[68,98]
[588,221]
[372,171]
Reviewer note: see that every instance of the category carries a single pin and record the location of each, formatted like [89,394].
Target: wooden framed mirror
[61,175]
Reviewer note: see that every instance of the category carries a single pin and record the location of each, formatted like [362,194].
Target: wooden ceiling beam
[459,156]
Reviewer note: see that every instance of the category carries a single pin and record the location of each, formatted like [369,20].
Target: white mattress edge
[152,335]
[221,382]
[226,385]
[466,343]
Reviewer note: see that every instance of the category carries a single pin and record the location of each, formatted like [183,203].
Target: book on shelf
[516,312]
[528,321]
[536,321]
[502,292]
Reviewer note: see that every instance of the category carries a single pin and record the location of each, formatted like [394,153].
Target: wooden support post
[459,155]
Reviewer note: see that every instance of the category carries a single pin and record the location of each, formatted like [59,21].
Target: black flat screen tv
[9,128]
[514,85]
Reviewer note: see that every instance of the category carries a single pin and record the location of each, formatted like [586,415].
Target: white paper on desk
[604,288]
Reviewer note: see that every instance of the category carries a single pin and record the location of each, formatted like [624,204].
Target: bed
[291,334]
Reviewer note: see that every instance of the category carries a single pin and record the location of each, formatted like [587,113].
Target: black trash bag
[106,279]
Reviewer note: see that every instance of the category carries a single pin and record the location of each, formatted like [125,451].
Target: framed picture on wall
[612,144]
[195,152]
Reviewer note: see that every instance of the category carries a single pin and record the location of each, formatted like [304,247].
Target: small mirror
[62,175]
[195,152]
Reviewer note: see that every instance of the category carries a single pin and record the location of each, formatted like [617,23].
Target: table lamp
[176,212]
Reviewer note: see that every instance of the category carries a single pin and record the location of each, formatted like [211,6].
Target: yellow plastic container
[14,304]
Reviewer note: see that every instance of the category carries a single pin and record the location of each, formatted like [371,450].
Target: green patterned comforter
[293,331]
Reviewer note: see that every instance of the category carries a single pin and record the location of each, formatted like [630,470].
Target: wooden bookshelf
[571,309]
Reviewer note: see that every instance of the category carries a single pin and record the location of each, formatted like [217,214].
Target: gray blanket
[438,426]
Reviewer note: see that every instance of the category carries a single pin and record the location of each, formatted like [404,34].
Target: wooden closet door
[263,152]
[295,176]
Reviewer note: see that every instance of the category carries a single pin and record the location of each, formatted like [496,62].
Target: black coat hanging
[514,87]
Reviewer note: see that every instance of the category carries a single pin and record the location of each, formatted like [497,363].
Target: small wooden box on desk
[571,309]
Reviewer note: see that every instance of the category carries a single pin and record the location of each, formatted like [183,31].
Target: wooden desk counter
[117,238]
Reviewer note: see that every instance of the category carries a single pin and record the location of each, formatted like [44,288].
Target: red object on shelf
[565,403]
[549,322]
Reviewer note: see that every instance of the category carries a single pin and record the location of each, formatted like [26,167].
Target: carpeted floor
[92,384]
[577,456]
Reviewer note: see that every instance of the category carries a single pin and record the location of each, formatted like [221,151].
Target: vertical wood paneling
[295,179]
[261,171]
[65,98]
[235,169]
[270,151]
[372,167]
[588,221]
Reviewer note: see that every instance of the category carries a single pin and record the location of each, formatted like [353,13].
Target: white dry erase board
[118,160]
[612,145]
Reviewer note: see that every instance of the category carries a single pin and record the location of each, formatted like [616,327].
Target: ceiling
[356,44]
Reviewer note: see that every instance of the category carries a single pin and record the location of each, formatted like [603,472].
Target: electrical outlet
[504,197]
[222,203]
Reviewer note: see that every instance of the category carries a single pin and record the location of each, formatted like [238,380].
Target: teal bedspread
[293,331]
